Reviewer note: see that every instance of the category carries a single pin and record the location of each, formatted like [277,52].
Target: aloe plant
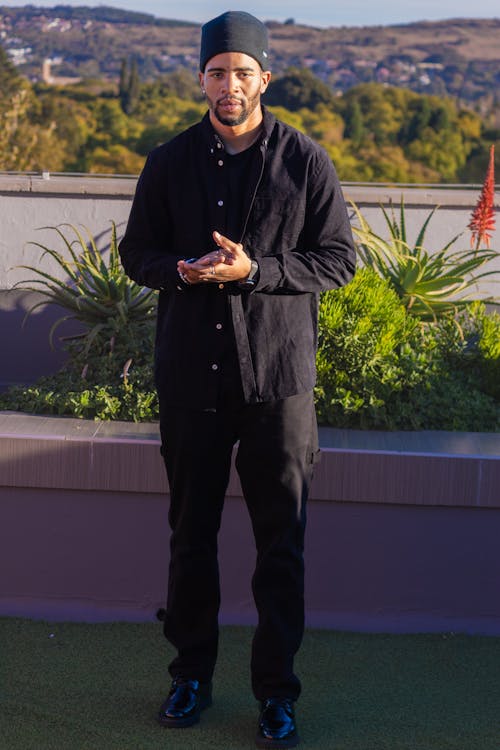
[430,285]
[96,293]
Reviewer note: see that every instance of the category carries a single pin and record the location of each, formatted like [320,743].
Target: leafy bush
[473,346]
[103,388]
[361,328]
[378,367]
[108,374]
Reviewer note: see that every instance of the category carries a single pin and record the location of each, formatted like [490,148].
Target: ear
[201,79]
[265,77]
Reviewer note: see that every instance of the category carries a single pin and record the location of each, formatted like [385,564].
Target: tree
[23,144]
[129,87]
[298,88]
[180,83]
[354,127]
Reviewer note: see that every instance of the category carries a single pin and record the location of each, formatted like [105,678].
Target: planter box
[402,535]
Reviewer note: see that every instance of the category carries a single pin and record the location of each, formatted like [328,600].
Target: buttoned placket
[218,214]
[231,310]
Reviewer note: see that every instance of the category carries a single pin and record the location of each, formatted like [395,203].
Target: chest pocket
[276,223]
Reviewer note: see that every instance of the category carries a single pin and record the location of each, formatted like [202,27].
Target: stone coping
[407,468]
[123,186]
[423,442]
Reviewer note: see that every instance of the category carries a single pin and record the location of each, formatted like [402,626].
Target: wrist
[252,277]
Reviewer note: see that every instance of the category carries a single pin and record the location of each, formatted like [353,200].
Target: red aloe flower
[483,217]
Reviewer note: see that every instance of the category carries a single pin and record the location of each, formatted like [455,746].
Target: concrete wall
[402,533]
[28,203]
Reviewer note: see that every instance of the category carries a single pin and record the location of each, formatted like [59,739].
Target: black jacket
[295,225]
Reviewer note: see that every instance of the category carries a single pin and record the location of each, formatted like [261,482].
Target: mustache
[229,100]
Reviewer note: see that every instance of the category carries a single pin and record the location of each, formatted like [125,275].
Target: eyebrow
[241,68]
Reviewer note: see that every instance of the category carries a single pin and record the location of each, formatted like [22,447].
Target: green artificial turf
[98,687]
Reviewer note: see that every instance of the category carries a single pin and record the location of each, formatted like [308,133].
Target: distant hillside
[460,58]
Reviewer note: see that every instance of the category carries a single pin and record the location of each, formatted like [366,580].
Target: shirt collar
[211,138]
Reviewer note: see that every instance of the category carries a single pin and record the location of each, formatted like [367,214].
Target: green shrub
[361,330]
[108,374]
[379,367]
[473,346]
[110,393]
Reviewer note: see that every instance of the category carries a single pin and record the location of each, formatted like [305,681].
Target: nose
[231,83]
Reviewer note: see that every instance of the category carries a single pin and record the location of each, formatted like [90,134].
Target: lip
[229,104]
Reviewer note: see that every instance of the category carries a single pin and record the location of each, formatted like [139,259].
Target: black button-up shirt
[293,221]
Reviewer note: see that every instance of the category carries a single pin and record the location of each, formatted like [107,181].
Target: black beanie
[234,31]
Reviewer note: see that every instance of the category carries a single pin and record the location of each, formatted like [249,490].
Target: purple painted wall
[85,556]
[402,534]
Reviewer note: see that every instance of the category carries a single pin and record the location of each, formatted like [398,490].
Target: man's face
[233,83]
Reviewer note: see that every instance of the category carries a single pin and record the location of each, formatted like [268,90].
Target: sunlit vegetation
[373,133]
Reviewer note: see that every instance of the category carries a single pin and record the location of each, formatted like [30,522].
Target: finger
[225,243]
[207,260]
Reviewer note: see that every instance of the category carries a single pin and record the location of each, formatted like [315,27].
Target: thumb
[226,244]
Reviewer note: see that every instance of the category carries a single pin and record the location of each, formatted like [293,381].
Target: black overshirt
[226,380]
[294,223]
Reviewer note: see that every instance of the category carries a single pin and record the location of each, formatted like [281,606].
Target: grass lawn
[71,686]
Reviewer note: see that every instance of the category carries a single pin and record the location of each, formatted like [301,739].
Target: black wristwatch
[252,277]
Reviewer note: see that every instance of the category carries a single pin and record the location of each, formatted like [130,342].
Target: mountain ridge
[454,57]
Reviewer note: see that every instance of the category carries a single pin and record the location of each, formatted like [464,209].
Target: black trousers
[278,445]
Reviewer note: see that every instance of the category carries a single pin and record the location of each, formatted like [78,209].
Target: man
[240,222]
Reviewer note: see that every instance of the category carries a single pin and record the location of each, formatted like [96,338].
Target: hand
[228,263]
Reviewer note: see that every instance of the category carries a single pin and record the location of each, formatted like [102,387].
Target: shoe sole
[186,721]
[263,743]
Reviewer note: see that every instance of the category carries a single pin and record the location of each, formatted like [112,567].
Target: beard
[247,108]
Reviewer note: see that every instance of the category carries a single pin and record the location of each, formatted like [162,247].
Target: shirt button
[221,286]
[220,203]
[215,367]
[220,162]
[219,326]
[219,145]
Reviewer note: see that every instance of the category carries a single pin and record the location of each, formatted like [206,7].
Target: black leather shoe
[186,700]
[277,724]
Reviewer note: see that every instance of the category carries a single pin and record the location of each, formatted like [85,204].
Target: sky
[310,12]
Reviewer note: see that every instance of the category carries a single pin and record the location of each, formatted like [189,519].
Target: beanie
[234,31]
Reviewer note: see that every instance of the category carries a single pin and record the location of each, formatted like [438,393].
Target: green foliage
[379,368]
[132,398]
[430,284]
[473,346]
[114,380]
[456,381]
[96,293]
[429,137]
[361,328]
[108,374]
[372,132]
[298,88]
[19,140]
[129,87]
[354,122]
